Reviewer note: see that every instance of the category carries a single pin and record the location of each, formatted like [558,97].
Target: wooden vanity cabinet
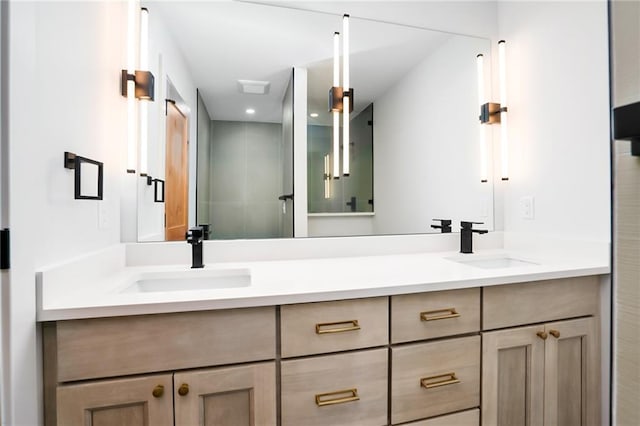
[82,359]
[547,373]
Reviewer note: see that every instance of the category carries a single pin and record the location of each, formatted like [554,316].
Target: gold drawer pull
[555,333]
[354,326]
[183,389]
[542,334]
[158,391]
[347,395]
[449,379]
[439,314]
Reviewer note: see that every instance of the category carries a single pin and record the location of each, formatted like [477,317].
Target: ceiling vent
[254,87]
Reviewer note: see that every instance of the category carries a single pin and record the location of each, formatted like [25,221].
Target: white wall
[426,144]
[558,88]
[300,151]
[64,95]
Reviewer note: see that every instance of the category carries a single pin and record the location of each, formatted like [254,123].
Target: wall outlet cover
[527,210]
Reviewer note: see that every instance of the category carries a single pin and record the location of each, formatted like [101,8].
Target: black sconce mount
[626,126]
[144,81]
[490,113]
[336,95]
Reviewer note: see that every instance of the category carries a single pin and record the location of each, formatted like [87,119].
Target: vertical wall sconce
[327,177]
[495,113]
[138,84]
[341,100]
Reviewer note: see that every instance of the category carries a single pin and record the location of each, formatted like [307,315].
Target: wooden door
[227,396]
[513,377]
[139,401]
[572,384]
[177,175]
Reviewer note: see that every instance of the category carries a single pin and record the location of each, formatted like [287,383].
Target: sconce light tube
[144,106]
[334,112]
[131,107]
[327,177]
[482,130]
[346,101]
[504,142]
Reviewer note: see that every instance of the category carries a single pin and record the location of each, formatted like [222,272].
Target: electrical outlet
[527,207]
[103,215]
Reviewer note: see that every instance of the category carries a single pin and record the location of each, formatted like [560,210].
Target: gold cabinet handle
[183,389]
[337,397]
[321,330]
[542,334]
[158,391]
[440,380]
[439,314]
[555,333]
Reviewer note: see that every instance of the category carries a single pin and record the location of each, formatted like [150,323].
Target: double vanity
[422,338]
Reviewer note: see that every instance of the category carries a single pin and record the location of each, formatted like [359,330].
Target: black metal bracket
[490,113]
[158,190]
[626,125]
[5,257]
[144,84]
[74,162]
[149,180]
[285,197]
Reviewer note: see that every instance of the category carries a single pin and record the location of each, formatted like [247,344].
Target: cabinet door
[139,401]
[572,372]
[233,396]
[513,377]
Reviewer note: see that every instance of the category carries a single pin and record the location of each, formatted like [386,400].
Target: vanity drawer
[465,418]
[539,301]
[343,389]
[437,314]
[118,346]
[314,328]
[430,379]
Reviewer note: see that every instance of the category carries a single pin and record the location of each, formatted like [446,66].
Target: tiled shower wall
[625,54]
[245,180]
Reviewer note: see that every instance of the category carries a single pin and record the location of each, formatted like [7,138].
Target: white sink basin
[190,280]
[492,262]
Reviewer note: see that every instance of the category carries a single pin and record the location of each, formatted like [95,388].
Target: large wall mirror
[230,73]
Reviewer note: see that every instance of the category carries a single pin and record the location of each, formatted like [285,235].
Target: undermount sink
[190,280]
[492,262]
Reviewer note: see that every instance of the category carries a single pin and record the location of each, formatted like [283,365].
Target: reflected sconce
[494,113]
[327,177]
[341,100]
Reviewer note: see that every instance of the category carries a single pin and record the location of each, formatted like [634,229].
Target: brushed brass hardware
[320,330]
[555,333]
[347,395]
[449,379]
[542,334]
[158,391]
[439,314]
[183,389]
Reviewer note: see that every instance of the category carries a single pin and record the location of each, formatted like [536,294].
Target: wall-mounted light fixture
[327,177]
[482,130]
[137,84]
[495,113]
[341,100]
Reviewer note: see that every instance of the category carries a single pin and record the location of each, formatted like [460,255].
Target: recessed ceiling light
[314,115]
[250,111]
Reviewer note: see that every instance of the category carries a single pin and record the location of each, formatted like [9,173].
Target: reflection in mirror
[416,102]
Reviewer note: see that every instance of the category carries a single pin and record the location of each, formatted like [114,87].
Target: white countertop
[94,288]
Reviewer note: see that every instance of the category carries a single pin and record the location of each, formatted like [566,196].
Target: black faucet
[194,237]
[466,235]
[444,227]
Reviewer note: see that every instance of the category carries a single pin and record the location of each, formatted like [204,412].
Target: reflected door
[177,172]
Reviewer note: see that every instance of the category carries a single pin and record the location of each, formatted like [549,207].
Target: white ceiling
[225,41]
